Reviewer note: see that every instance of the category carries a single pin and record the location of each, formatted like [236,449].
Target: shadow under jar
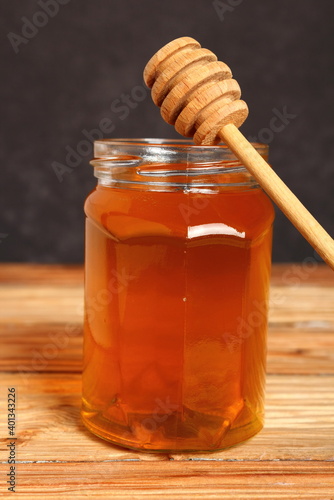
[178,258]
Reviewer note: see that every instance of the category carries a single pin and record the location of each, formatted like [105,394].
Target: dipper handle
[197,94]
[284,198]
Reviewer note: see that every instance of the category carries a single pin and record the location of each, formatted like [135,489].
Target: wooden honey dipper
[197,94]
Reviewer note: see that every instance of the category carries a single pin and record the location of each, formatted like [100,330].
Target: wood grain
[301,322]
[172,480]
[291,458]
[299,422]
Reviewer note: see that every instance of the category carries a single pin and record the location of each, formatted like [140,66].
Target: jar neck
[170,165]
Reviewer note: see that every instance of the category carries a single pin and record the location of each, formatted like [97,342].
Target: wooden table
[41,336]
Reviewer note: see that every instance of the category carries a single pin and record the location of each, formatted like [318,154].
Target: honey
[178,255]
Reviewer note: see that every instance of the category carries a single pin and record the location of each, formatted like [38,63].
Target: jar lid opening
[167,163]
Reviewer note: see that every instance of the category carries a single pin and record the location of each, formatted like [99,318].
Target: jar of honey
[178,257]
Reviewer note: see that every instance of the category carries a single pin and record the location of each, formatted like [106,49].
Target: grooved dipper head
[196,93]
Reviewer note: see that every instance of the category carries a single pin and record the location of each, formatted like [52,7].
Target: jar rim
[169,163]
[156,142]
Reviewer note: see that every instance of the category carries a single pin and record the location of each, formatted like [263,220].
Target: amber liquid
[176,317]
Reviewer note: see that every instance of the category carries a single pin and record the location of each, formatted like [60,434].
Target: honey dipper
[197,94]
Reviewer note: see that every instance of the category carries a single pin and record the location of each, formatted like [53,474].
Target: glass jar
[178,257]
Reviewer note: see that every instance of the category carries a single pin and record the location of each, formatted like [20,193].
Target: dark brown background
[69,75]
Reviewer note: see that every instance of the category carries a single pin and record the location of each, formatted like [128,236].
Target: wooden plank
[308,350]
[299,422]
[41,303]
[41,337]
[43,347]
[18,274]
[283,274]
[171,480]
[308,272]
[41,325]
[290,306]
[304,305]
[48,347]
